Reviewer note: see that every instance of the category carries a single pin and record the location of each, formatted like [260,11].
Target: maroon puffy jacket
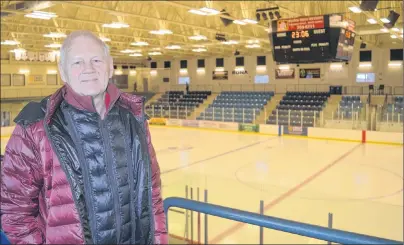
[41,204]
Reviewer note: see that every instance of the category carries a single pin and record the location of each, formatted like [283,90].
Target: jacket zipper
[69,178]
[86,176]
[108,162]
[131,167]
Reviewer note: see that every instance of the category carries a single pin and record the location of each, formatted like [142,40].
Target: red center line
[282,197]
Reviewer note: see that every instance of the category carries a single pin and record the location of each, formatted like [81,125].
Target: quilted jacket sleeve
[20,187]
[161,236]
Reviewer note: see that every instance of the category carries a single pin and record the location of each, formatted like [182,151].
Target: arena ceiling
[145,16]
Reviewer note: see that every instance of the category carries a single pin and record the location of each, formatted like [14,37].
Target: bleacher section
[176,104]
[304,106]
[349,105]
[395,111]
[236,106]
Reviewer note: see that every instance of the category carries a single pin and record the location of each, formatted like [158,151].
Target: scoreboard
[312,39]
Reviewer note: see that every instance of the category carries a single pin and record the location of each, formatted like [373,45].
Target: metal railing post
[289,226]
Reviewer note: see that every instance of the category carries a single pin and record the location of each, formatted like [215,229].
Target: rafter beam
[110,34]
[168,21]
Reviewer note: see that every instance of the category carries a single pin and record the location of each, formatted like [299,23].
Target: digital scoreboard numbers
[311,39]
[345,44]
[301,46]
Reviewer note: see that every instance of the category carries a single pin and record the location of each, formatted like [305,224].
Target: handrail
[308,230]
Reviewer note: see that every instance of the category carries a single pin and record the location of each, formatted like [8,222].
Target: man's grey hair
[72,36]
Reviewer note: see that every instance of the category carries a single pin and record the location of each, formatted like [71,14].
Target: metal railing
[347,90]
[289,226]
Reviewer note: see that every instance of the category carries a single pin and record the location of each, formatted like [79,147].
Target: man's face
[87,69]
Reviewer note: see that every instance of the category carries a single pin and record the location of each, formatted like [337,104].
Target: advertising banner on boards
[173,122]
[208,124]
[190,123]
[291,130]
[249,127]
[157,121]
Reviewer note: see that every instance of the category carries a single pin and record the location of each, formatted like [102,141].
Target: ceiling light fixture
[198,37]
[385,20]
[140,43]
[136,55]
[355,9]
[41,15]
[253,41]
[393,36]
[230,42]
[284,67]
[18,50]
[10,42]
[55,35]
[394,64]
[198,50]
[105,39]
[161,32]
[198,12]
[204,11]
[395,29]
[53,45]
[253,46]
[239,22]
[250,21]
[365,64]
[128,51]
[173,47]
[210,11]
[336,65]
[155,53]
[116,25]
[372,21]
[23,71]
[384,30]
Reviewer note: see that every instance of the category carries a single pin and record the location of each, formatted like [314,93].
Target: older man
[80,167]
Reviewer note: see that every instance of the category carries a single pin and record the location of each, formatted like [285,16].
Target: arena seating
[302,106]
[395,111]
[236,106]
[177,104]
[349,105]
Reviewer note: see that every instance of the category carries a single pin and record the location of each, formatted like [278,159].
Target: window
[396,54]
[201,63]
[239,61]
[5,80]
[153,65]
[183,80]
[167,64]
[365,56]
[18,80]
[219,62]
[261,61]
[261,79]
[365,77]
[183,64]
[52,79]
